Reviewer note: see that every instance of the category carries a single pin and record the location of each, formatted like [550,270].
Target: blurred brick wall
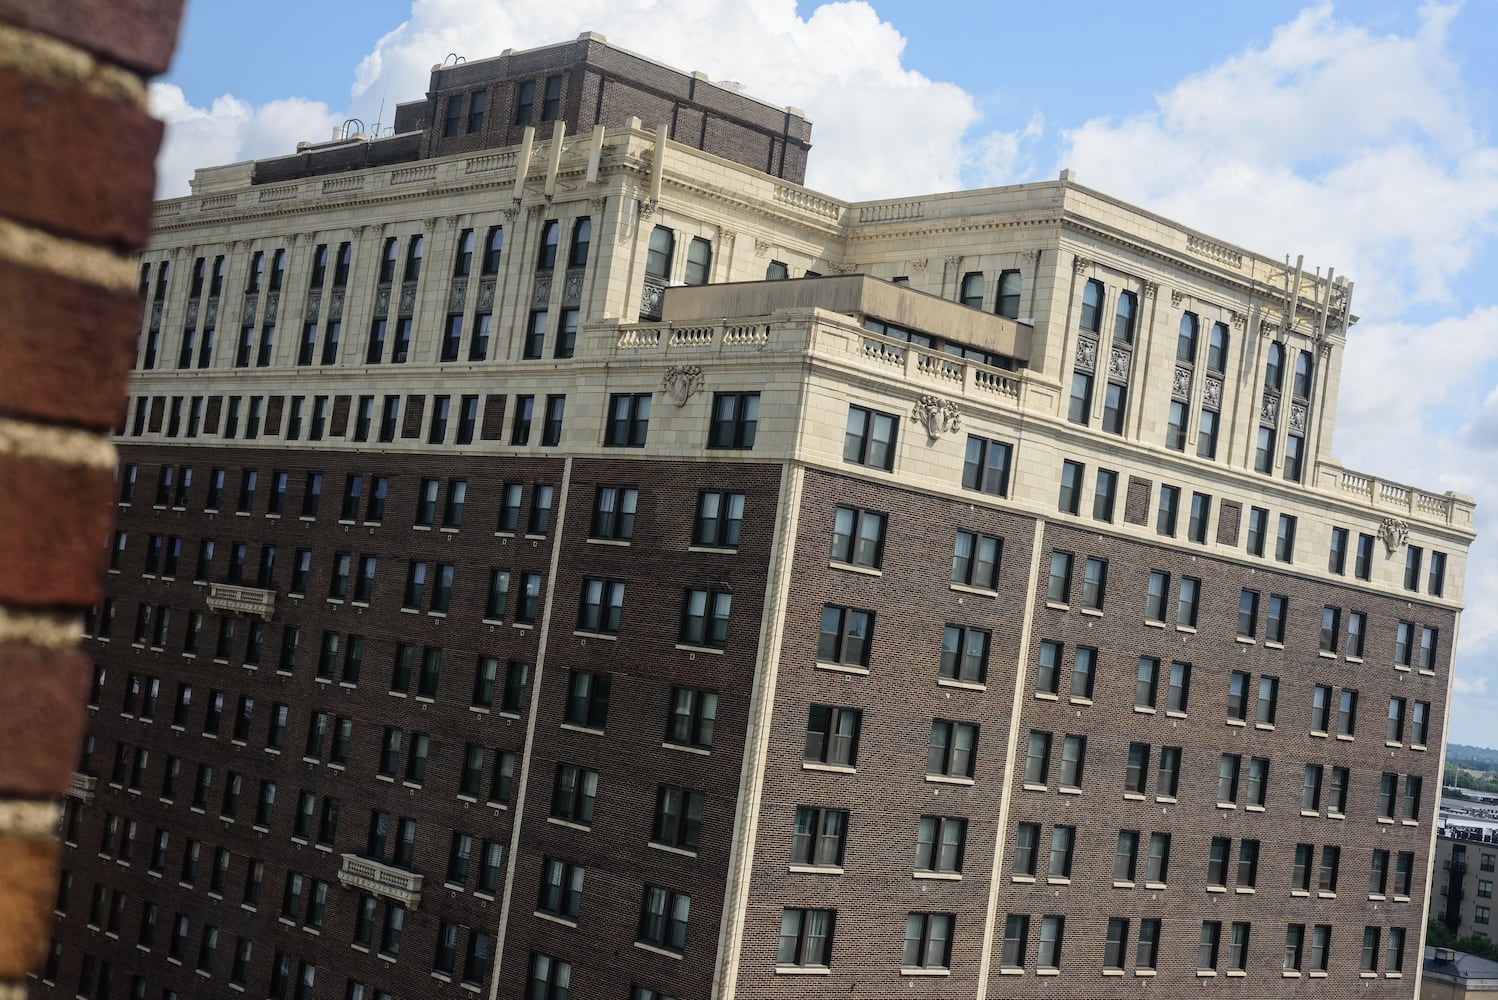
[75,202]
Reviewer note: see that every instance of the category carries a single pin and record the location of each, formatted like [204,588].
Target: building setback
[518,590]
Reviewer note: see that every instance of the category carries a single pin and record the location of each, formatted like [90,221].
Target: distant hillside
[1471,767]
[1477,758]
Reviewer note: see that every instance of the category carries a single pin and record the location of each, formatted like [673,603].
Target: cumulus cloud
[228,130]
[1464,686]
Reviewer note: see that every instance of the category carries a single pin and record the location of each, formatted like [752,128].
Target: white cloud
[227,131]
[1460,685]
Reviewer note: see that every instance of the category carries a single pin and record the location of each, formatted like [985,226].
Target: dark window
[870,438]
[985,466]
[734,420]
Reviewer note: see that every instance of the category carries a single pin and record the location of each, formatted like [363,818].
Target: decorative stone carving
[599,204]
[455,297]
[1080,264]
[192,314]
[272,303]
[541,291]
[1212,393]
[314,304]
[919,266]
[210,313]
[937,415]
[841,268]
[250,305]
[1267,329]
[335,304]
[156,315]
[1298,417]
[952,264]
[1269,409]
[382,301]
[650,298]
[1180,384]
[1394,532]
[1118,363]
[427,225]
[761,247]
[1086,359]
[1150,288]
[682,382]
[451,220]
[408,299]
[1176,298]
[1031,257]
[1240,320]
[572,289]
[486,296]
[726,235]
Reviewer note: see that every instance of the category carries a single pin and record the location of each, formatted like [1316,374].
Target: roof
[1470,971]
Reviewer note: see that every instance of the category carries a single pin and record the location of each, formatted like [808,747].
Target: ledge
[381,880]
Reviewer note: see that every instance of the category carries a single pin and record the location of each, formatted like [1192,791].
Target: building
[1455,975]
[560,605]
[1466,865]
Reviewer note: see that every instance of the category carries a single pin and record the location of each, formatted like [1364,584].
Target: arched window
[1274,367]
[546,258]
[1123,319]
[1007,303]
[699,261]
[1301,387]
[1092,306]
[1217,349]
[582,236]
[413,258]
[1186,341]
[463,261]
[658,257]
[493,246]
[972,289]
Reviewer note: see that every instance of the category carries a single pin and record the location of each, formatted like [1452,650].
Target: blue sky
[1358,134]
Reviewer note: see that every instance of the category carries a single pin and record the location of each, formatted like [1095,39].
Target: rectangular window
[985,466]
[818,835]
[1274,619]
[1170,503]
[1079,402]
[870,438]
[953,749]
[1016,933]
[735,417]
[1357,626]
[720,517]
[628,420]
[1146,683]
[601,606]
[614,513]
[678,818]
[1201,513]
[832,735]
[805,940]
[1071,487]
[663,918]
[1336,559]
[845,636]
[1104,491]
[1168,775]
[1284,542]
[1186,601]
[975,560]
[704,618]
[561,889]
[1094,583]
[858,537]
[1258,530]
[1038,758]
[928,941]
[1058,581]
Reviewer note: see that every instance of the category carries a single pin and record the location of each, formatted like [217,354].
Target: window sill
[948,779]
[1144,709]
[1418,746]
[795,970]
[1319,734]
[1335,815]
[1354,659]
[839,668]
[1310,812]
[1030,786]
[1236,722]
[1171,713]
[1325,895]
[1186,628]
[1393,975]
[963,588]
[1010,971]
[1267,727]
[815,869]
[1153,623]
[1318,974]
[1217,888]
[1206,973]
[1023,879]
[1077,699]
[906,970]
[855,568]
[1248,640]
[1092,612]
[564,921]
[1271,644]
[1047,696]
[1167,799]
[1067,790]
[939,876]
[1048,972]
[1410,822]
[1237,973]
[1404,667]
[1227,805]
[618,542]
[1305,893]
[1367,975]
[1425,673]
[671,849]
[811,765]
[1344,737]
[1121,884]
[573,727]
[702,751]
[963,685]
[1144,972]
[1325,654]
[1245,890]
[713,548]
[606,637]
[656,951]
[1134,796]
[1058,880]
[1058,606]
[1289,974]
[1401,899]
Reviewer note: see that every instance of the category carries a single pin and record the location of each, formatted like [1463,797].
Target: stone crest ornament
[1080,264]
[335,304]
[682,382]
[456,295]
[192,314]
[1086,360]
[541,291]
[1177,297]
[572,289]
[314,303]
[1030,256]
[937,415]
[1298,417]
[1269,409]
[761,247]
[382,300]
[1394,532]
[486,296]
[1118,363]
[1212,393]
[1180,386]
[408,300]
[210,313]
[250,305]
[272,303]
[1150,288]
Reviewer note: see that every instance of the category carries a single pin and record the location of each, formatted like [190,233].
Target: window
[1170,504]
[1419,727]
[1079,402]
[393,930]
[832,735]
[1063,841]
[1058,581]
[1436,586]
[704,618]
[1175,427]
[1026,838]
[928,941]
[663,918]
[939,844]
[699,262]
[845,635]
[574,794]
[1186,601]
[818,836]
[1284,542]
[587,699]
[1007,301]
[1394,953]
[601,606]
[858,537]
[614,513]
[1412,788]
[1123,319]
[1227,779]
[1310,789]
[1016,933]
[975,560]
[1201,513]
[1426,659]
[1294,456]
[1178,693]
[1157,861]
[1071,487]
[870,438]
[971,294]
[691,718]
[1331,859]
[1274,620]
[561,888]
[1094,583]
[805,938]
[678,817]
[1038,758]
[1154,604]
[1347,713]
[1092,306]
[953,749]
[628,420]
[1168,775]
[964,654]
[720,517]
[985,466]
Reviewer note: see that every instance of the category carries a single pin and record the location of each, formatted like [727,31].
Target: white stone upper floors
[1138,335]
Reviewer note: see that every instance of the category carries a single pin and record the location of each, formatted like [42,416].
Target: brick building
[519,590]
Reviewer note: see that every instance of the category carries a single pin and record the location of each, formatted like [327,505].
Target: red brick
[41,719]
[139,34]
[65,349]
[28,871]
[53,522]
[89,167]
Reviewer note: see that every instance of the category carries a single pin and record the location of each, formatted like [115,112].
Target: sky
[1360,134]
